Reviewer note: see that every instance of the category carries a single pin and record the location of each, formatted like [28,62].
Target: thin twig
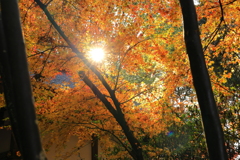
[214,33]
[120,65]
[136,95]
[102,129]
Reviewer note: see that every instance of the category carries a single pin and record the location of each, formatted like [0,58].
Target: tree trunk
[20,88]
[201,80]
[136,151]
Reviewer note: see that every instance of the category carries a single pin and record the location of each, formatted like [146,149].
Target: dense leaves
[145,66]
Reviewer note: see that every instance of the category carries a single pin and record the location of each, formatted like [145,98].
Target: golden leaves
[145,62]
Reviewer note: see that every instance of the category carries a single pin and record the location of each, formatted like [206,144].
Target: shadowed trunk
[201,80]
[21,104]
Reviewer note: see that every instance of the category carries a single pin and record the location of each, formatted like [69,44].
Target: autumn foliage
[145,67]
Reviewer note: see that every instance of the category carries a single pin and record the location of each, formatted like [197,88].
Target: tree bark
[7,84]
[136,151]
[29,137]
[212,126]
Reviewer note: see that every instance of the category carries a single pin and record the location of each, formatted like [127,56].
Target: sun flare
[97,54]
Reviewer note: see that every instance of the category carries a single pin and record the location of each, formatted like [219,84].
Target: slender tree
[201,81]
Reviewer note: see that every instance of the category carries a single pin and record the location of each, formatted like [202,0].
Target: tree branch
[75,50]
[136,152]
[97,92]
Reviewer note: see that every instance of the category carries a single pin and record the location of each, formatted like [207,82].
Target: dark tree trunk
[22,107]
[7,83]
[136,151]
[210,117]
[94,147]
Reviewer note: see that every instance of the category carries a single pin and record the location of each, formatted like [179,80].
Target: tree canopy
[150,108]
